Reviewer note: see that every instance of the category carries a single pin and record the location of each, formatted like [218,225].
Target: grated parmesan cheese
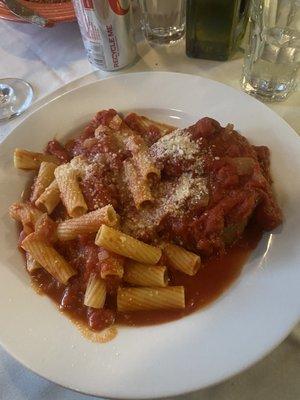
[176,144]
[177,195]
[173,198]
[187,188]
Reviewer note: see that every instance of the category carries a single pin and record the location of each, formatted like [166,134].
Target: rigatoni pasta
[112,265]
[140,154]
[145,166]
[138,274]
[87,223]
[116,122]
[25,213]
[25,159]
[135,299]
[181,259]
[138,185]
[48,257]
[127,246]
[45,228]
[43,180]
[70,191]
[49,199]
[95,293]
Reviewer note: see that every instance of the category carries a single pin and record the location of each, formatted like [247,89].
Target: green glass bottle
[214,28]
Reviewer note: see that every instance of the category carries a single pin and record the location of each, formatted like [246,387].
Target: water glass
[272,57]
[163,21]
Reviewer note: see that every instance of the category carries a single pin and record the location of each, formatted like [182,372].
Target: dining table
[53,61]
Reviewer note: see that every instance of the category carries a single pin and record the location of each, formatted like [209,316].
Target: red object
[55,12]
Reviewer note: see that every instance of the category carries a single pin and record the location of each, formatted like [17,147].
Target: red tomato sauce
[214,277]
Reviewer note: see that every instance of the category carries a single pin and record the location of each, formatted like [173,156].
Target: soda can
[107,32]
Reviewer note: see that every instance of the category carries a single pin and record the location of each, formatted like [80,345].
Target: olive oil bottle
[214,28]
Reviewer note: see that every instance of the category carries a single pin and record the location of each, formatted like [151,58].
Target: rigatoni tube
[25,213]
[145,275]
[145,165]
[95,293]
[70,191]
[182,260]
[43,180]
[134,299]
[111,265]
[48,257]
[87,223]
[25,159]
[117,242]
[49,199]
[138,186]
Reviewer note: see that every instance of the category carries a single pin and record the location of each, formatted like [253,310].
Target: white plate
[249,320]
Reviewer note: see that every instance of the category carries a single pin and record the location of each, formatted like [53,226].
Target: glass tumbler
[272,57]
[163,21]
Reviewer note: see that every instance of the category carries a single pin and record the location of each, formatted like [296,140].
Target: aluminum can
[107,32]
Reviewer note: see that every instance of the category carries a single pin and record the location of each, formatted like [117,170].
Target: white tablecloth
[50,58]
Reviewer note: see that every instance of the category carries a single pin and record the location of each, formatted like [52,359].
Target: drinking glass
[15,97]
[272,57]
[163,21]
